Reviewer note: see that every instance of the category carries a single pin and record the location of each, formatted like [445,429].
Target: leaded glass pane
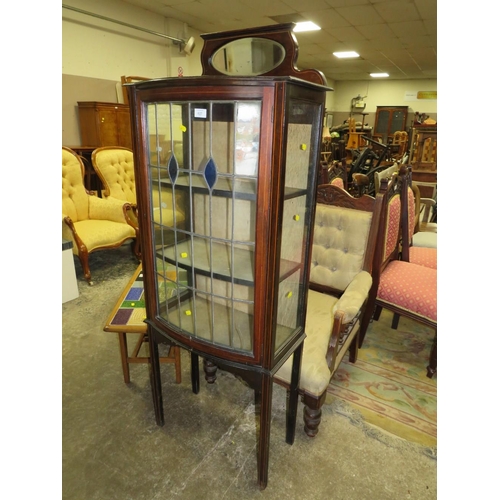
[203,168]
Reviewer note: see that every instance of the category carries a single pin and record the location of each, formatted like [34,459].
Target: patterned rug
[388,383]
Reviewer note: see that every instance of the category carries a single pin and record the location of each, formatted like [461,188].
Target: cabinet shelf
[244,273]
[226,187]
[231,329]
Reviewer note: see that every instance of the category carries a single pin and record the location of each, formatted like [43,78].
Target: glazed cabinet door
[204,165]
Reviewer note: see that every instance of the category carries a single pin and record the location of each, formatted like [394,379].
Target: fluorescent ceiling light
[306,26]
[345,55]
[379,75]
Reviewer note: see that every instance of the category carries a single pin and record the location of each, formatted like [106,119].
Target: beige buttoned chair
[338,310]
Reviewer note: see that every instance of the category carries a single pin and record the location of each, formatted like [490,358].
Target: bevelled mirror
[248,57]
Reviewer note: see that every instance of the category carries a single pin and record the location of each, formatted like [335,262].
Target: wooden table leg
[122,338]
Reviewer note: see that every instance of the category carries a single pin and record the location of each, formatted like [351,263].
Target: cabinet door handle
[102,119]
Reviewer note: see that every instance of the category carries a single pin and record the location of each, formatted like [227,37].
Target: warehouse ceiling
[398,37]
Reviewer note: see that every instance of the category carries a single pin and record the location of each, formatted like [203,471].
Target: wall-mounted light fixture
[185,46]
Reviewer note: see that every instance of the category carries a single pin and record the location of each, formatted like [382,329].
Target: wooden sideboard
[104,124]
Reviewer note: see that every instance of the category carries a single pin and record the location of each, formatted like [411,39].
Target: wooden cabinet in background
[104,124]
[389,119]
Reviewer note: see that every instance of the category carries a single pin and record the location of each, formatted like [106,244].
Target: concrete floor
[113,449]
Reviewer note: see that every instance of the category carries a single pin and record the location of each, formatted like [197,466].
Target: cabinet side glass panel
[300,165]
[205,155]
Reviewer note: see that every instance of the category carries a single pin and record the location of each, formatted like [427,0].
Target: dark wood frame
[275,89]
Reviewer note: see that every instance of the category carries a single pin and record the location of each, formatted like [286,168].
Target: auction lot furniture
[91,223]
[127,317]
[246,161]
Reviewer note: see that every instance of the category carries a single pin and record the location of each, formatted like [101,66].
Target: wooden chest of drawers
[104,124]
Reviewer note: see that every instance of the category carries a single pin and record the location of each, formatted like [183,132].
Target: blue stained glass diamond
[173,168]
[210,173]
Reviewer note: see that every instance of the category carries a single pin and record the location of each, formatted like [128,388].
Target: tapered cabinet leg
[195,373]
[293,395]
[266,396]
[155,377]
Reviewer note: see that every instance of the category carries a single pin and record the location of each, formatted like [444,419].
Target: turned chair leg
[210,370]
[83,256]
[353,349]
[136,249]
[432,368]
[312,419]
[395,321]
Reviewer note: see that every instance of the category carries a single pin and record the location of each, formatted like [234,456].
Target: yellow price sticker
[188,313]
[184,255]
[183,128]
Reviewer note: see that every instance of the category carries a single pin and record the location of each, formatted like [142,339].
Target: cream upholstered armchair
[115,167]
[91,223]
[338,311]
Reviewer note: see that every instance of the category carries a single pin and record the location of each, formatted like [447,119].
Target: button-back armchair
[338,305]
[115,167]
[91,223]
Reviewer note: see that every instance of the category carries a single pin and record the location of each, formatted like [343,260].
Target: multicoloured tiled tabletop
[128,317]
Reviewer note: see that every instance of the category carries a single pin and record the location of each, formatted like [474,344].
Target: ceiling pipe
[184,45]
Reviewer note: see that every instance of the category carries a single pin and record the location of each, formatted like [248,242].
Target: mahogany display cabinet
[237,151]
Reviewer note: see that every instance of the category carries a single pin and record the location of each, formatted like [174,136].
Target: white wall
[384,93]
[97,48]
[97,52]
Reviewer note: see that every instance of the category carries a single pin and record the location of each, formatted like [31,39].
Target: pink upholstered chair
[421,255]
[405,288]
[427,238]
